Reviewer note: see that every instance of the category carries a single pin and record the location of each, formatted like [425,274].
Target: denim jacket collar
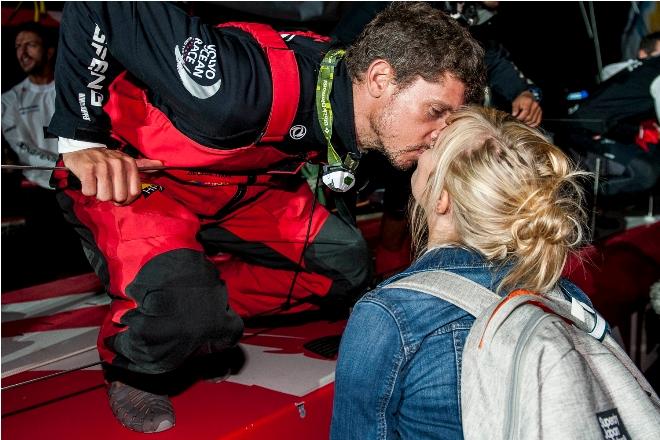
[474,266]
[465,262]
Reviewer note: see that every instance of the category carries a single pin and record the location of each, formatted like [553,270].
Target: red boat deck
[282,391]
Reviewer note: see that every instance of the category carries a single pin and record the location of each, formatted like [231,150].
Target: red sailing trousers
[169,299]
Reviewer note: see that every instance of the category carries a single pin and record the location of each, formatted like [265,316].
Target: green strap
[323,107]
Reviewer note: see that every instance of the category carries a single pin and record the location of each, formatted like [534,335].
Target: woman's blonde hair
[515,197]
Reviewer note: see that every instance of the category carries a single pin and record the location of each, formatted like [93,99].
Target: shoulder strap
[450,287]
[285,76]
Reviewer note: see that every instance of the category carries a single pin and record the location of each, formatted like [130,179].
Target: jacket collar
[465,262]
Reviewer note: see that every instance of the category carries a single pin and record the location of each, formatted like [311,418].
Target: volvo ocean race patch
[196,63]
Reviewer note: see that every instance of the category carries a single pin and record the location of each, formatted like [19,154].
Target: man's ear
[442,207]
[379,77]
[50,53]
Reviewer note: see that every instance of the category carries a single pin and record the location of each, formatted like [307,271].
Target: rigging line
[45,168]
[50,376]
[14,12]
[586,19]
[599,61]
[287,304]
[48,362]
[635,7]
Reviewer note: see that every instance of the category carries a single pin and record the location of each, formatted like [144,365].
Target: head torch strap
[323,106]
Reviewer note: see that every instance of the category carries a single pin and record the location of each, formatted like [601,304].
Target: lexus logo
[298,132]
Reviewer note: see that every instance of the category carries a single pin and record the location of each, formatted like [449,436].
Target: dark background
[547,40]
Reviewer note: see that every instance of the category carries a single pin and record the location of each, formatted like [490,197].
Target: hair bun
[551,215]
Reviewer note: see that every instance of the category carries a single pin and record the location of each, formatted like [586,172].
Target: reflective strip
[598,331]
[577,310]
[600,324]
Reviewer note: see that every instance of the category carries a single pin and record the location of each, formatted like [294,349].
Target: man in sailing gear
[234,108]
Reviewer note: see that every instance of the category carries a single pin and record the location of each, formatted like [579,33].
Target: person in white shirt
[648,47]
[620,121]
[28,107]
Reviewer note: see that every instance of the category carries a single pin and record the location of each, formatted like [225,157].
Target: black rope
[287,303]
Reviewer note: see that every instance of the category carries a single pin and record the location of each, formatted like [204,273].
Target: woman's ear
[442,207]
[441,222]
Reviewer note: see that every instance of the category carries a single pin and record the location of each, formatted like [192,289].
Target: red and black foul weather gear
[236,103]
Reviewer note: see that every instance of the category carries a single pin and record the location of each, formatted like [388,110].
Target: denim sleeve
[370,356]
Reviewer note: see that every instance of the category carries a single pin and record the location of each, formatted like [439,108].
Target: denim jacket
[399,366]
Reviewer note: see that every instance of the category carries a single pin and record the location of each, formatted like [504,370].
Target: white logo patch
[196,65]
[298,132]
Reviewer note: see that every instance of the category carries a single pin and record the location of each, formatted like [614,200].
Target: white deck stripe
[51,306]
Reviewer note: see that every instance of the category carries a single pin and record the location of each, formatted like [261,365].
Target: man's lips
[419,151]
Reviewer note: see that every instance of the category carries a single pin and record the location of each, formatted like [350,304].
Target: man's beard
[378,126]
[38,68]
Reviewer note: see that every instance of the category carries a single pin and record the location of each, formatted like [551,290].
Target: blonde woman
[494,202]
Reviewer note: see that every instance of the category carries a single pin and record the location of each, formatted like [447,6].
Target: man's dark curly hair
[418,40]
[48,35]
[648,42]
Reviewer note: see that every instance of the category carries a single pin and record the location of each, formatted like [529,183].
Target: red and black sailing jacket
[237,99]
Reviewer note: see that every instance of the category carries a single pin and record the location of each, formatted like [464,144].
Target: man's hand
[526,109]
[109,175]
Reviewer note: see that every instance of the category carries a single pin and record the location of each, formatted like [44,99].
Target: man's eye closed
[435,112]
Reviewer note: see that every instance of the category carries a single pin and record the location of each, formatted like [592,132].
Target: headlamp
[338,178]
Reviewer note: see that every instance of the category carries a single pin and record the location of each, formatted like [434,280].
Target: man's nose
[441,125]
[434,135]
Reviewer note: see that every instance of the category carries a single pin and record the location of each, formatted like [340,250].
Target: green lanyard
[324,108]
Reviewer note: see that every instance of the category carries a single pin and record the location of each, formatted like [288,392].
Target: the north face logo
[196,64]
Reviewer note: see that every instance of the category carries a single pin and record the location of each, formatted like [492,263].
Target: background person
[494,202]
[28,107]
[619,122]
[649,46]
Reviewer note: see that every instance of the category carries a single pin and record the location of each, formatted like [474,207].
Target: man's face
[408,121]
[30,52]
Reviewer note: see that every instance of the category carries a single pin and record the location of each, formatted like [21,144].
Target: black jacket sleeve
[504,77]
[199,75]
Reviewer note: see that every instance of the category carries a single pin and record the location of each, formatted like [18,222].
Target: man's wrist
[536,92]
[65,145]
